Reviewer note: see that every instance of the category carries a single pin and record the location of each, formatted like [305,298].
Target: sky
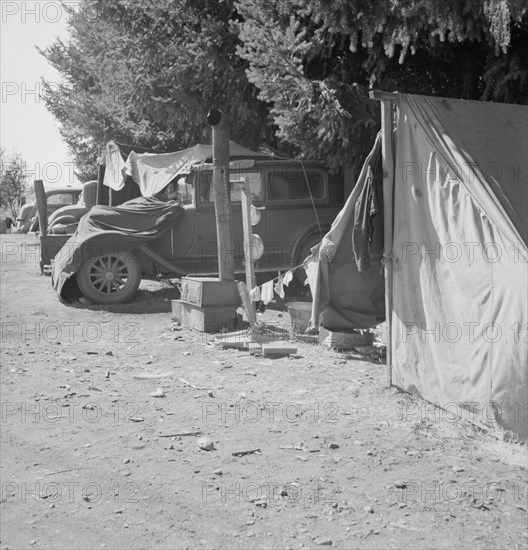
[26,126]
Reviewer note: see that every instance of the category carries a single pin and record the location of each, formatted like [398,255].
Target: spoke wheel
[110,278]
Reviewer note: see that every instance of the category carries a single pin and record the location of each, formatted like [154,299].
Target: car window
[61,198]
[185,191]
[295,182]
[236,179]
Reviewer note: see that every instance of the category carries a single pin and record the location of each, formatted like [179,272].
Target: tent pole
[387,154]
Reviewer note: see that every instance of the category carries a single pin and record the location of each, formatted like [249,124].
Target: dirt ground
[343,462]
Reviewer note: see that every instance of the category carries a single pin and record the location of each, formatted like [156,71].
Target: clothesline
[265,291]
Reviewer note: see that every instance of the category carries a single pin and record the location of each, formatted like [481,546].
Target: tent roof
[488,142]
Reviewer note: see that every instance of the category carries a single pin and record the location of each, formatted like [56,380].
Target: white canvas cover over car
[152,172]
[460,274]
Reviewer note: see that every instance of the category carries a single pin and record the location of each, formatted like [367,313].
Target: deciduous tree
[13,178]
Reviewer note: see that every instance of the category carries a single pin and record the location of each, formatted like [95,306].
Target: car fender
[308,235]
[104,242]
[72,210]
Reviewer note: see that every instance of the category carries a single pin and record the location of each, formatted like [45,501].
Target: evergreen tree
[315,60]
[147,72]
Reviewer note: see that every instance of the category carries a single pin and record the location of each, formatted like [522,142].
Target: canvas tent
[154,171]
[456,274]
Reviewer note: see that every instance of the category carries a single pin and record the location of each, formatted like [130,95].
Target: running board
[157,258]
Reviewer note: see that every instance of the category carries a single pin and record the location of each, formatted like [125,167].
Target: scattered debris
[183,381]
[205,444]
[244,453]
[403,526]
[279,348]
[151,376]
[344,340]
[323,542]
[180,434]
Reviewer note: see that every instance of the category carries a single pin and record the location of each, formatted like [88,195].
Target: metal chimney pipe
[221,192]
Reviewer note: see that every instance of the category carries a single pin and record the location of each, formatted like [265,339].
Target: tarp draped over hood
[141,219]
[153,171]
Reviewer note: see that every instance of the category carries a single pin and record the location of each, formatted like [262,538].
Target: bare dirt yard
[93,400]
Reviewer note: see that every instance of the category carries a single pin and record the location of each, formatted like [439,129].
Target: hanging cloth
[266,292]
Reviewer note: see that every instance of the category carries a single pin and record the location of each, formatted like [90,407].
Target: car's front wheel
[110,278]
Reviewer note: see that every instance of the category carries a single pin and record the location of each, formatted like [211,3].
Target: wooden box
[205,319]
[209,291]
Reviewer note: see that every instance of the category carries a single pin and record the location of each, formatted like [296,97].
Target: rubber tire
[129,271]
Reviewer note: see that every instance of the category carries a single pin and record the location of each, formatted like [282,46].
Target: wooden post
[387,153]
[42,206]
[226,257]
[246,202]
[102,190]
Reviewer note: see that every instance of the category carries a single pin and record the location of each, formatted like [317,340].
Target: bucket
[300,313]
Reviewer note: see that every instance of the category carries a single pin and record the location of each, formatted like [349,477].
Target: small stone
[119,511]
[402,505]
[368,509]
[333,446]
[109,352]
[126,460]
[400,484]
[218,472]
[283,491]
[210,393]
[186,353]
[370,453]
[124,473]
[458,469]
[107,375]
[250,522]
[158,392]
[323,541]
[205,444]
[261,503]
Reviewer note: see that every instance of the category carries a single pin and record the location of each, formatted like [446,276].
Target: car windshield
[61,199]
[237,180]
